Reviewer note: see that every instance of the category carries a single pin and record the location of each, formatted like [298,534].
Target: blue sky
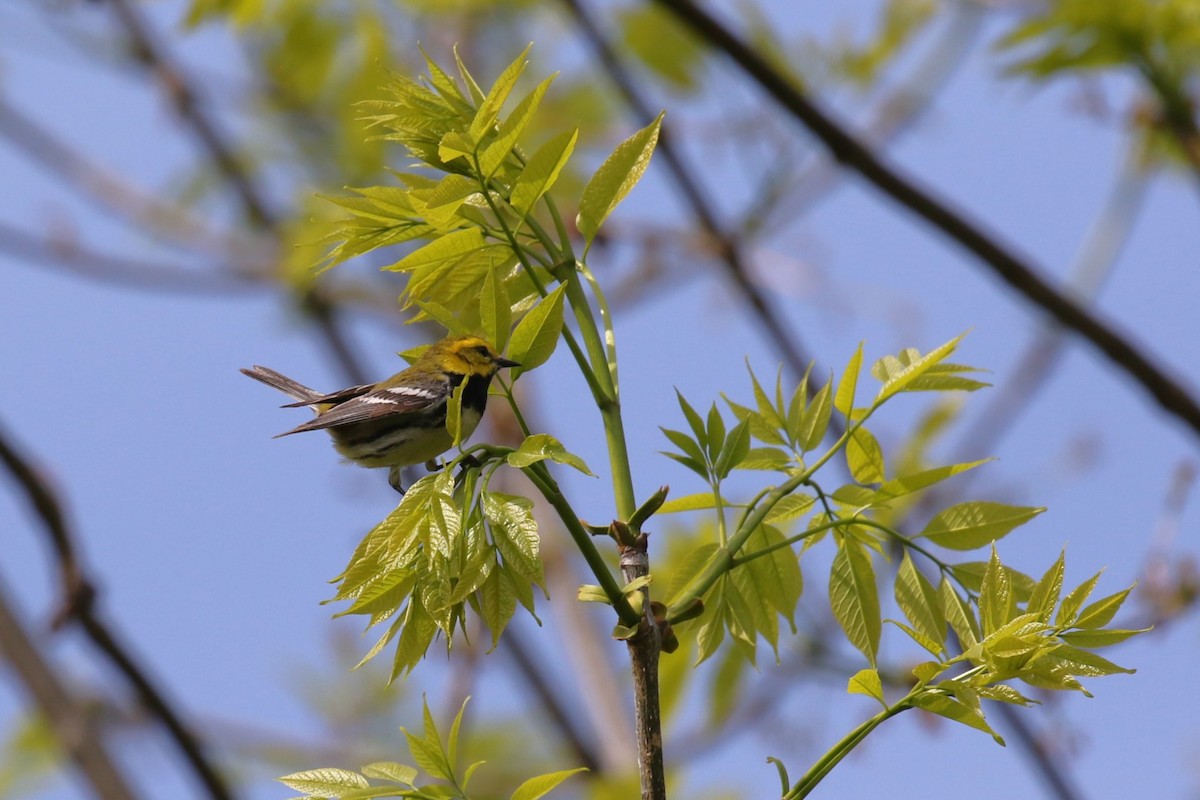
[213,544]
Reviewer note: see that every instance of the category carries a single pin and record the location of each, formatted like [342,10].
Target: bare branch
[79,604]
[74,728]
[1018,273]
[726,247]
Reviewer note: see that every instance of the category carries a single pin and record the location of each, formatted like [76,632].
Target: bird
[400,421]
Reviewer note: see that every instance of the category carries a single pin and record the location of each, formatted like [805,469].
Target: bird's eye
[483,350]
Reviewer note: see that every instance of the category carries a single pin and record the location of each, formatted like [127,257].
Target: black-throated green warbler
[400,421]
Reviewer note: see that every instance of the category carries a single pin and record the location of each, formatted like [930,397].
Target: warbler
[400,421]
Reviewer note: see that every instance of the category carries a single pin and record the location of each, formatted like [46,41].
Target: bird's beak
[504,362]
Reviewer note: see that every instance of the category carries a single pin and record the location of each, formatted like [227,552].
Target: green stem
[545,483]
[751,518]
[827,762]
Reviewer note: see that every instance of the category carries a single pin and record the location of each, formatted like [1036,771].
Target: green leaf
[917,598]
[950,708]
[689,447]
[495,310]
[695,423]
[510,131]
[814,422]
[958,613]
[445,250]
[910,369]
[996,603]
[428,752]
[733,451]
[326,782]
[536,335]
[541,785]
[1092,639]
[864,456]
[616,177]
[790,507]
[489,109]
[714,432]
[392,771]
[687,569]
[1101,612]
[689,502]
[515,533]
[1045,594]
[541,446]
[916,481]
[866,681]
[1068,612]
[776,577]
[854,599]
[765,458]
[497,602]
[542,171]
[455,727]
[454,414]
[967,526]
[843,400]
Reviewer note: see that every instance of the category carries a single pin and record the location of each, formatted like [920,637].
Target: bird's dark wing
[335,398]
[375,405]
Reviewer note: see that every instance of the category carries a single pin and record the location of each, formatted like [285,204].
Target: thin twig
[188,105]
[1018,273]
[109,269]
[79,605]
[74,727]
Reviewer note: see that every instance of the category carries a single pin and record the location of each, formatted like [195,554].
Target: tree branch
[1170,394]
[75,729]
[645,646]
[79,604]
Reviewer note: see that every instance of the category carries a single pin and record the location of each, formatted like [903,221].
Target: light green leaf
[790,507]
[916,481]
[454,414]
[618,175]
[866,681]
[734,449]
[689,502]
[542,171]
[495,310]
[814,421]
[843,400]
[541,785]
[1092,639]
[497,602]
[447,249]
[864,456]
[392,771]
[541,446]
[1101,612]
[967,526]
[510,130]
[764,458]
[489,109]
[515,532]
[1045,594]
[919,601]
[910,369]
[996,603]
[326,782]
[958,613]
[854,599]
[950,708]
[1068,612]
[536,335]
[688,568]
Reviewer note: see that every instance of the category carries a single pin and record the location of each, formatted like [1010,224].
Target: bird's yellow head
[465,355]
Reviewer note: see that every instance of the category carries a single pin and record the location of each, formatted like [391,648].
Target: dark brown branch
[728,249]
[79,605]
[73,726]
[645,647]
[1019,274]
[189,107]
[514,644]
[109,269]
